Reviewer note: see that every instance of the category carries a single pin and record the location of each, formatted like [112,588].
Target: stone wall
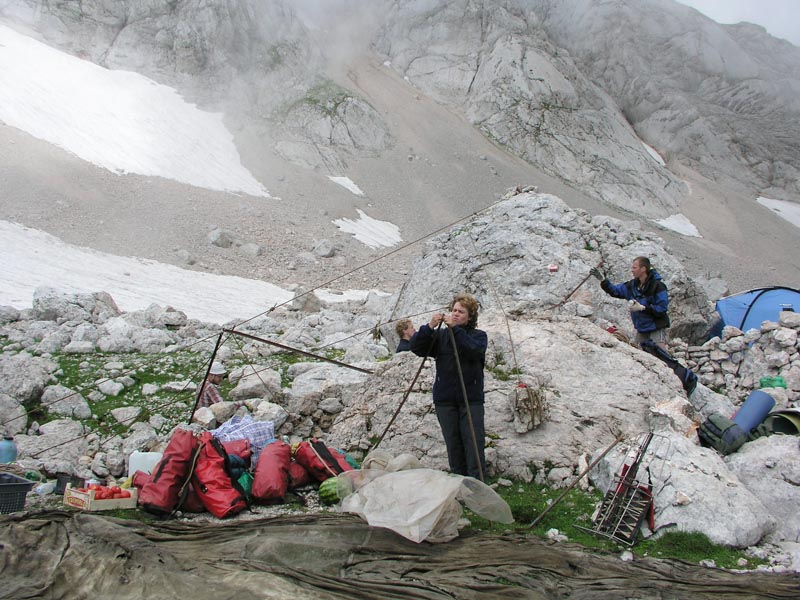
[735,363]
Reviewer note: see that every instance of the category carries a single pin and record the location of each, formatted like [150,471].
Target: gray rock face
[693,488]
[573,87]
[770,468]
[521,89]
[723,98]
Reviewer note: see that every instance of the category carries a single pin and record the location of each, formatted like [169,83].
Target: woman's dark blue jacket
[652,295]
[471,344]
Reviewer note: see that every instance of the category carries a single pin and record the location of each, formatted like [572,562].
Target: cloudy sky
[781,18]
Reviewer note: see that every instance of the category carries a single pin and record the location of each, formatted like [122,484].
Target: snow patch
[370,231]
[118,120]
[347,183]
[680,224]
[785,210]
[33,258]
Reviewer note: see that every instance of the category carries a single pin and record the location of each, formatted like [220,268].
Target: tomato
[115,490]
[125,494]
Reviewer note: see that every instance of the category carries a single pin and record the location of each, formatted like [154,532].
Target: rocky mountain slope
[435,109]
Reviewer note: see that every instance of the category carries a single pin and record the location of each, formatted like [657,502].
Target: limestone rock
[62,401]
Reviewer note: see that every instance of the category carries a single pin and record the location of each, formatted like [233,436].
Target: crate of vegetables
[100,497]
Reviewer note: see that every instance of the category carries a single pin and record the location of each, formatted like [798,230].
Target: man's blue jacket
[652,295]
[471,344]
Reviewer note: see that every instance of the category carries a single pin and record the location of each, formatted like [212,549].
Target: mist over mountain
[642,110]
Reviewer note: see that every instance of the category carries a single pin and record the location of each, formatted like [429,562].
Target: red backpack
[221,495]
[161,493]
[320,461]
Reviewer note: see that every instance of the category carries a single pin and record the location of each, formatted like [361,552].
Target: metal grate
[628,500]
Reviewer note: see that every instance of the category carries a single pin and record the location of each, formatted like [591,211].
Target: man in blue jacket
[465,444]
[648,302]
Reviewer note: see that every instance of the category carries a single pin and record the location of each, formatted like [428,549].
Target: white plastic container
[44,488]
[142,461]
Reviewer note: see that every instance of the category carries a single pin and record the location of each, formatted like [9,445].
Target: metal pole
[575,289]
[303,352]
[410,387]
[574,483]
[205,379]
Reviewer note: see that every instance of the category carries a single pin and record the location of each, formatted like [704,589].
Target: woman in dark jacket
[448,396]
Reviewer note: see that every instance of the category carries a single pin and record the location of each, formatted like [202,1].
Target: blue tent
[747,310]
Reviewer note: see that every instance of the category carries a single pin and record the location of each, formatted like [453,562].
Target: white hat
[217,369]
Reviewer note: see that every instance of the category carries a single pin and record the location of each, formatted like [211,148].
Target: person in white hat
[210,394]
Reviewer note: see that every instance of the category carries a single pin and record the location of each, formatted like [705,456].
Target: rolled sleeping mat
[754,410]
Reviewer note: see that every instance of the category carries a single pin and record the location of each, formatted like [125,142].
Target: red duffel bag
[160,495]
[191,503]
[211,479]
[298,476]
[271,479]
[320,461]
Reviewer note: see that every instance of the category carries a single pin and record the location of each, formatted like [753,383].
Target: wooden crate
[86,501]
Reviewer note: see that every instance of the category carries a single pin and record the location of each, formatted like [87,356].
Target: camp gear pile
[199,472]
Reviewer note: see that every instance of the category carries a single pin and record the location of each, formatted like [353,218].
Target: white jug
[142,461]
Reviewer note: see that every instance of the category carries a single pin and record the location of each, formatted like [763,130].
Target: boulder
[64,402]
[53,305]
[770,468]
[12,415]
[255,381]
[23,376]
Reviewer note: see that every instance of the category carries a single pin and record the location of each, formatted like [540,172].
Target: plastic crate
[13,491]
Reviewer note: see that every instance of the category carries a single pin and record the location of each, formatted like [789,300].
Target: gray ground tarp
[82,555]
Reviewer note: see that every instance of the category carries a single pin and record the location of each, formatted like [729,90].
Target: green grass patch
[693,547]
[334,354]
[529,500]
[83,373]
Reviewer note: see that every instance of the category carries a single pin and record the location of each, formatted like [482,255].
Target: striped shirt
[209,396]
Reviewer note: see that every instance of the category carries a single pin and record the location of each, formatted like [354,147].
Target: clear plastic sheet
[419,504]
